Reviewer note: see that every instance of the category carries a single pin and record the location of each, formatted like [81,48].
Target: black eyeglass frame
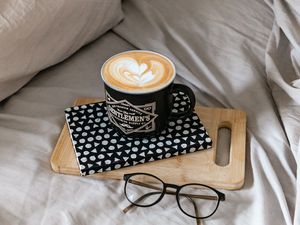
[221,196]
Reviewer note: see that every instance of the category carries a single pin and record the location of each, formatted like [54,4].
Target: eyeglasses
[194,200]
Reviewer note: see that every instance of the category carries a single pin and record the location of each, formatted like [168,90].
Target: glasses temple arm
[125,210]
[144,184]
[129,207]
[198,221]
[206,197]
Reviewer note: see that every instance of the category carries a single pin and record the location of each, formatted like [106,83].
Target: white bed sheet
[219,50]
[30,123]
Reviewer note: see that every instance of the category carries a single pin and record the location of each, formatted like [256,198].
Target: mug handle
[188,91]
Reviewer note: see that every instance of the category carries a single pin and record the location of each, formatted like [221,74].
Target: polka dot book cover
[100,148]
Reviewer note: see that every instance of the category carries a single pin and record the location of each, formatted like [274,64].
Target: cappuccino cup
[139,87]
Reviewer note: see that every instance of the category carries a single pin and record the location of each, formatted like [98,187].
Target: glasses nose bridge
[174,186]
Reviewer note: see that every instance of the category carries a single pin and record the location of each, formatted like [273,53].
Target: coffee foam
[138,71]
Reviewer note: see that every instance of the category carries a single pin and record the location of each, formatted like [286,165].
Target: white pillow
[37,34]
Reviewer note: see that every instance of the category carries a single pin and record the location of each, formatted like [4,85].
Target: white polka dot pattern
[99,148]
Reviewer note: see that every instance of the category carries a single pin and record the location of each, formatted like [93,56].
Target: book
[99,148]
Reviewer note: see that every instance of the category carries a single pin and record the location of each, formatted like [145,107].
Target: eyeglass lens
[197,200]
[143,190]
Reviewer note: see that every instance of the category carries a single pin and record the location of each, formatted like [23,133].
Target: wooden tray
[197,167]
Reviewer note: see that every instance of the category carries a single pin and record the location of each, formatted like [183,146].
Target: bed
[233,54]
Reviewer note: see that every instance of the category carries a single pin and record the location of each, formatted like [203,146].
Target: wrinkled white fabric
[37,34]
[283,75]
[30,123]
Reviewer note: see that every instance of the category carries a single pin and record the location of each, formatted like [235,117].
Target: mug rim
[139,92]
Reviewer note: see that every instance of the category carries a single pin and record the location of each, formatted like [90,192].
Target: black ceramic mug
[139,87]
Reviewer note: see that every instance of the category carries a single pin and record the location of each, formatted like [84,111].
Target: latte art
[130,72]
[138,71]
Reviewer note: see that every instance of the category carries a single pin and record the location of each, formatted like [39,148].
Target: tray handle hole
[223,146]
